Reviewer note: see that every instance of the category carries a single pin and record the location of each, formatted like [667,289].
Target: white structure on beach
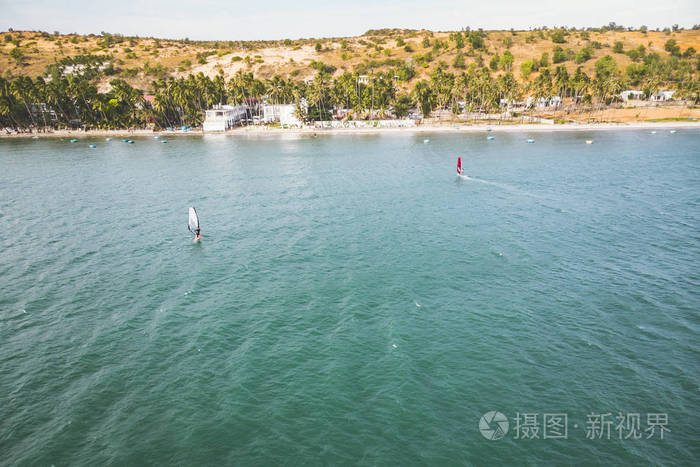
[223,117]
[631,94]
[401,123]
[285,114]
[543,102]
[662,96]
[510,104]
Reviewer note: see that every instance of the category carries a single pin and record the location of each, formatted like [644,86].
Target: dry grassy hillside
[141,60]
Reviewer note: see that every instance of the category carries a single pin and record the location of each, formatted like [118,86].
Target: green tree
[579,83]
[459,40]
[672,47]
[526,68]
[507,61]
[558,55]
[402,104]
[508,87]
[441,84]
[561,81]
[476,38]
[18,55]
[423,97]
[605,67]
[405,72]
[584,55]
[558,36]
[542,84]
[607,80]
[495,60]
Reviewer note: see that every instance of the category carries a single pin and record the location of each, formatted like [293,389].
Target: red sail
[459,165]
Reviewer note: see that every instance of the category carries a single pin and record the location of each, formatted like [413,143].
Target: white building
[555,101]
[285,114]
[223,117]
[512,103]
[43,113]
[662,96]
[631,94]
[543,102]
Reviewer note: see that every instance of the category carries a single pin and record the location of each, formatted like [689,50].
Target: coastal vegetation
[112,81]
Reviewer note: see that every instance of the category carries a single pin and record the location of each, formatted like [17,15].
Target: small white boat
[672,131]
[426,141]
[530,141]
[490,138]
[589,141]
[653,132]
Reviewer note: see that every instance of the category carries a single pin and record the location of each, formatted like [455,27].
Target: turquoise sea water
[352,301]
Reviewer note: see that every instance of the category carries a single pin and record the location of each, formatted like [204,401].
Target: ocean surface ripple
[352,301]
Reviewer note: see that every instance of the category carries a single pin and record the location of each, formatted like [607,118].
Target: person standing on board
[193,224]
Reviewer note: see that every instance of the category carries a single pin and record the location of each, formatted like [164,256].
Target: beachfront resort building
[223,117]
[43,114]
[662,96]
[543,102]
[284,114]
[631,94]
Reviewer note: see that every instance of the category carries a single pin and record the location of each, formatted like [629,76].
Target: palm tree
[423,96]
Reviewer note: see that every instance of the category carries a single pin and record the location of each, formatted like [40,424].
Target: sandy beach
[442,128]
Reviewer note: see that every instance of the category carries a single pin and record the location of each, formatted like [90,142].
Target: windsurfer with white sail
[193,224]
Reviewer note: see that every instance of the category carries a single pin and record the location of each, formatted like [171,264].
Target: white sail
[193,223]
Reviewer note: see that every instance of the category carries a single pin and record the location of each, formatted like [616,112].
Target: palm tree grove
[109,81]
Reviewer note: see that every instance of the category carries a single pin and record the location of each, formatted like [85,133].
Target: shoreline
[443,128]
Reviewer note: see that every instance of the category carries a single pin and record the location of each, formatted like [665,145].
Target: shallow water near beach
[352,301]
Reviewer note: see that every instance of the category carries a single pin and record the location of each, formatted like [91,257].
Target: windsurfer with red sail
[460,170]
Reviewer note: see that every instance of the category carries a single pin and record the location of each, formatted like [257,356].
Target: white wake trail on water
[499,185]
[539,199]
[503,186]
